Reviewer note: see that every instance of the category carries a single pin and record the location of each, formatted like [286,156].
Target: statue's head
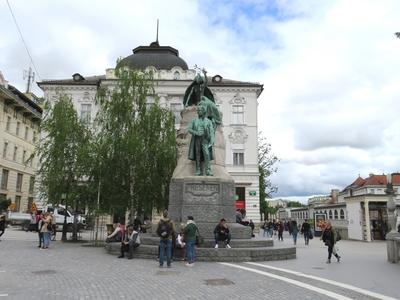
[199,79]
[201,110]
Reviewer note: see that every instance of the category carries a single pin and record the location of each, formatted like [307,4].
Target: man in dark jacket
[306,231]
[166,232]
[221,233]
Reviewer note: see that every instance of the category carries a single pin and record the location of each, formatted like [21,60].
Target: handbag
[310,235]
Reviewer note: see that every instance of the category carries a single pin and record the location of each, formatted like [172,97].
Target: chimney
[334,195]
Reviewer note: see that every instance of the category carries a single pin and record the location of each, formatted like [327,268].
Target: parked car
[24,219]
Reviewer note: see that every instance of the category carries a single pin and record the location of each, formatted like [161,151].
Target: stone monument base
[242,250]
[208,199]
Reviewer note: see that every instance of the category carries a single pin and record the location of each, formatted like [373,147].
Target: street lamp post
[393,237]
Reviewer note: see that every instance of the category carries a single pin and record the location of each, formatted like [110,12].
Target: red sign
[240,204]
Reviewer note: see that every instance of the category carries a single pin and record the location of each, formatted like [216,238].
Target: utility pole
[31,77]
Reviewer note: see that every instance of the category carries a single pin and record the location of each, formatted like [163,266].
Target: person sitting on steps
[130,242]
[221,233]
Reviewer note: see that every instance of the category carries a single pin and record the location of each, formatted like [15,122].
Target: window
[5,150]
[23,156]
[30,202]
[330,215]
[341,214]
[15,153]
[372,191]
[26,132]
[176,109]
[177,75]
[4,179]
[86,113]
[19,182]
[238,114]
[8,123]
[336,214]
[17,203]
[238,159]
[17,129]
[31,184]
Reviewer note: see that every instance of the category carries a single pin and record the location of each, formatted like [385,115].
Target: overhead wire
[23,40]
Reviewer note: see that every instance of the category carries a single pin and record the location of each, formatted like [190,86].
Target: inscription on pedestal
[197,189]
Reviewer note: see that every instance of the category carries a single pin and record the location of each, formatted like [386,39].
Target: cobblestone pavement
[71,271]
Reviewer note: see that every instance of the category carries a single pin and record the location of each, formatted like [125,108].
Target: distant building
[278,202]
[19,129]
[359,211]
[366,200]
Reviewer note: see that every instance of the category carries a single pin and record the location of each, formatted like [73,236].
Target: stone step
[217,255]
[209,243]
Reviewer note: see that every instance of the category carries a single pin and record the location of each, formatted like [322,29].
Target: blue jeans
[165,250]
[190,252]
[294,234]
[46,239]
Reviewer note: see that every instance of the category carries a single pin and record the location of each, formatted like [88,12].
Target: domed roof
[160,57]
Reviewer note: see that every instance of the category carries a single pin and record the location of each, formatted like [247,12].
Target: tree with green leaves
[136,148]
[266,167]
[63,151]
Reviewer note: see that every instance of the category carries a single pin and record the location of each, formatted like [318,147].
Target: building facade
[236,100]
[19,130]
[359,211]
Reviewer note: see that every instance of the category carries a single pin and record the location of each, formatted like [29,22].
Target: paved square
[71,271]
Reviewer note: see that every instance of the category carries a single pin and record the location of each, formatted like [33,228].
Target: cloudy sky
[330,69]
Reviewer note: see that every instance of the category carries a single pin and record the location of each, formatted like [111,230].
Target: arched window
[342,214]
[330,215]
[177,75]
[336,214]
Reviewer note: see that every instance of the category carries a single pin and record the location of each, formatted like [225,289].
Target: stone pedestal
[393,247]
[208,199]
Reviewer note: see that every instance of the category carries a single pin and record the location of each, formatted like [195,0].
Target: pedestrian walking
[2,224]
[166,232]
[39,222]
[281,227]
[264,227]
[295,231]
[306,231]
[190,232]
[46,230]
[329,237]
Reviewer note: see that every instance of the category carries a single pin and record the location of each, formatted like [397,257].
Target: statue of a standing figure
[204,127]
[201,144]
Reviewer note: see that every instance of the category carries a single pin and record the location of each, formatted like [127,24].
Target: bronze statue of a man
[202,141]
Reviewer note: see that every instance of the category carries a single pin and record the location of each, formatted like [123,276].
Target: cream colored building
[237,100]
[19,126]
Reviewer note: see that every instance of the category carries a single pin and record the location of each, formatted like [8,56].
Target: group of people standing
[277,227]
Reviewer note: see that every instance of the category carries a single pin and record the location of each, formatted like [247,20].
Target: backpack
[164,229]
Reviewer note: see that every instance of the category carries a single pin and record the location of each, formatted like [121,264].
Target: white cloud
[330,69]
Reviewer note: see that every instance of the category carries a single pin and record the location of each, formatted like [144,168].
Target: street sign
[253,193]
